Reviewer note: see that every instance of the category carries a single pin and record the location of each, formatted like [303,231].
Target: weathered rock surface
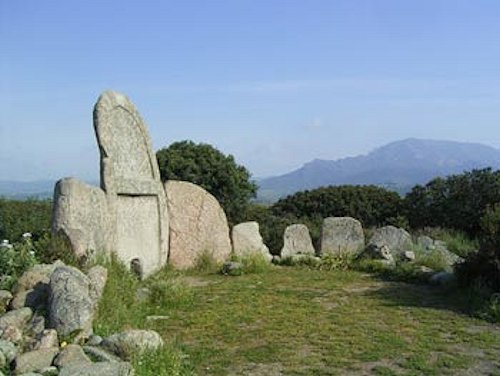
[247,241]
[376,252]
[128,214]
[396,239]
[297,241]
[342,235]
[9,350]
[35,360]
[232,268]
[71,307]
[17,318]
[99,354]
[198,224]
[98,369]
[71,354]
[98,275]
[130,342]
[48,339]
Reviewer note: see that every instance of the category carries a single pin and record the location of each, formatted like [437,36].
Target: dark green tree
[457,202]
[219,174]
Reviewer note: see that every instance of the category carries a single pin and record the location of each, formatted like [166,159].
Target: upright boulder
[297,241]
[397,240]
[197,224]
[128,213]
[71,307]
[247,241]
[341,235]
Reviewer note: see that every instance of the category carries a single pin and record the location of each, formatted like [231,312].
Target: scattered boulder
[248,241]
[12,334]
[48,339]
[408,256]
[71,354]
[397,240]
[99,354]
[35,360]
[8,350]
[376,252]
[341,235]
[297,241]
[98,369]
[425,242]
[198,224]
[71,306]
[17,318]
[232,268]
[133,341]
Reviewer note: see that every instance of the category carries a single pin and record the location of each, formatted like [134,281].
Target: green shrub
[18,217]
[402,271]
[490,226]
[431,259]
[167,361]
[304,261]
[342,261]
[206,263]
[456,241]
[15,259]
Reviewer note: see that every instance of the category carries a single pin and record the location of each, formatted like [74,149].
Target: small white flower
[27,235]
[5,242]
[32,253]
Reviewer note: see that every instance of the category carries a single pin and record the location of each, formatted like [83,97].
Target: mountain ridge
[397,165]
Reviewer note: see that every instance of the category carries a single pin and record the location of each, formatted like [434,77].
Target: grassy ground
[296,321]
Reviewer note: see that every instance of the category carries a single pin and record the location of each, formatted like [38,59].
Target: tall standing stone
[341,235]
[128,214]
[198,224]
[297,241]
[247,241]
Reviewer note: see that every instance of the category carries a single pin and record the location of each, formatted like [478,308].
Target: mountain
[398,166]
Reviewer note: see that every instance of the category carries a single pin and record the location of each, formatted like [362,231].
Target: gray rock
[128,214]
[276,259]
[408,256]
[342,235]
[71,354]
[198,224]
[36,326]
[5,298]
[9,350]
[71,307]
[232,268]
[17,318]
[133,341]
[47,339]
[98,275]
[98,369]
[94,340]
[396,239]
[49,371]
[297,241]
[425,242]
[376,252]
[35,360]
[100,355]
[247,241]
[11,334]
[32,288]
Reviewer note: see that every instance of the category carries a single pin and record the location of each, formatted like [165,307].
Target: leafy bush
[456,241]
[373,206]
[206,263]
[206,166]
[457,202]
[15,259]
[18,217]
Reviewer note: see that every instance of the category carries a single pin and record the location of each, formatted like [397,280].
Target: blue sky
[275,83]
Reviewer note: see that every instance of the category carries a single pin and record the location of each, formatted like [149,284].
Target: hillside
[398,165]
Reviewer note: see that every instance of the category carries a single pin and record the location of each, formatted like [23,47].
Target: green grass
[456,241]
[299,321]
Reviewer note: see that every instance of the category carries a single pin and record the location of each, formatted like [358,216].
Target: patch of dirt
[362,288]
[258,369]
[368,368]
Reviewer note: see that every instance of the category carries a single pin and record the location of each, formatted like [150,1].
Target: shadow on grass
[422,295]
